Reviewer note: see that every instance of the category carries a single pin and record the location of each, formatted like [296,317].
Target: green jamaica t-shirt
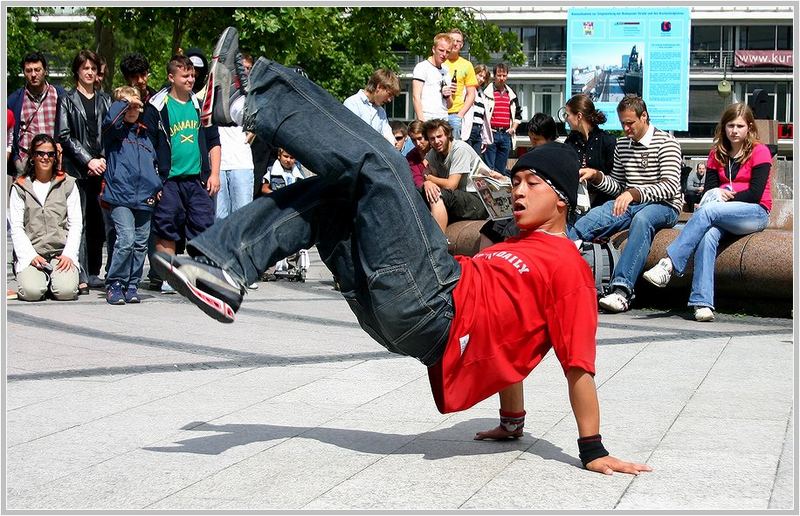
[184,132]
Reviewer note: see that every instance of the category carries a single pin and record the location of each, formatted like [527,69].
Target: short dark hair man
[645,182]
[542,129]
[135,70]
[505,115]
[35,107]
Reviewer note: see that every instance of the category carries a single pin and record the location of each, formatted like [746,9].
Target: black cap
[557,163]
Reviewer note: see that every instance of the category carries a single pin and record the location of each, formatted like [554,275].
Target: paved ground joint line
[672,423]
[786,435]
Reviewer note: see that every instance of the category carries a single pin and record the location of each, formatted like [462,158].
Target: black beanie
[556,162]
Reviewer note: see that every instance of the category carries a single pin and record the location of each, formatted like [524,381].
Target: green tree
[341,46]
[157,33]
[338,46]
[22,37]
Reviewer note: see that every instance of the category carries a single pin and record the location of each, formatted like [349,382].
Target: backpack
[602,258]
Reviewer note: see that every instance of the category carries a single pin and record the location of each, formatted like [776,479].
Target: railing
[711,59]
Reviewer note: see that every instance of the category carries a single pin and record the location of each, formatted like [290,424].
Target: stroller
[293,268]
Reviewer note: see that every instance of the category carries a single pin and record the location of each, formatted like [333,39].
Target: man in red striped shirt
[505,114]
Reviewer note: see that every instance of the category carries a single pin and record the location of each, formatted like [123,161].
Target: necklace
[552,233]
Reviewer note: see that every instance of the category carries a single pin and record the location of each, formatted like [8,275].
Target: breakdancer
[480,324]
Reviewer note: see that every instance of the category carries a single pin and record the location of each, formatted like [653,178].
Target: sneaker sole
[210,305]
[215,106]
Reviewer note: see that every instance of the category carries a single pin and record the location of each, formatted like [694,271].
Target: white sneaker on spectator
[703,314]
[253,286]
[614,302]
[166,288]
[659,274]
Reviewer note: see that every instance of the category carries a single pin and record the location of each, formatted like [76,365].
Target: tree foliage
[338,46]
[341,46]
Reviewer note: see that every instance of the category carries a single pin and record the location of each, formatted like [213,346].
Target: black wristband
[591,448]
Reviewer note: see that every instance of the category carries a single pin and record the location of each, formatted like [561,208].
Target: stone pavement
[157,407]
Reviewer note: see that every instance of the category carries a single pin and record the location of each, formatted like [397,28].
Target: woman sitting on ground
[737,202]
[44,213]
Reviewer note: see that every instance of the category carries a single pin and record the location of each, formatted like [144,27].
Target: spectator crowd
[141,169]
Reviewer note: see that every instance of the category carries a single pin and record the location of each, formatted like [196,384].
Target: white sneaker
[253,286]
[703,314]
[660,274]
[166,288]
[614,302]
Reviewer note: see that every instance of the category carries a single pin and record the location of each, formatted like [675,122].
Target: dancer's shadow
[433,445]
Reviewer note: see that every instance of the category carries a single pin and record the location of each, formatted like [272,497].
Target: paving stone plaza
[157,407]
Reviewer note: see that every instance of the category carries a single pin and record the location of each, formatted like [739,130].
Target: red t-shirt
[514,301]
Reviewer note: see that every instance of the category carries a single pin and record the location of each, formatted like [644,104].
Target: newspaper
[493,190]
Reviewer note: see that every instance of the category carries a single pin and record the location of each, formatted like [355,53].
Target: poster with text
[613,52]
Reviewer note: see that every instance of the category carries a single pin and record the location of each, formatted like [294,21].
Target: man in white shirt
[368,103]
[430,86]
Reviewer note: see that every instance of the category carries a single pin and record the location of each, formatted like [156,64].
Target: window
[765,37]
[779,105]
[784,37]
[397,109]
[705,104]
[758,38]
[706,37]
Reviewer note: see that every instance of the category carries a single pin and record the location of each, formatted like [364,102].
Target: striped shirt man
[501,116]
[649,168]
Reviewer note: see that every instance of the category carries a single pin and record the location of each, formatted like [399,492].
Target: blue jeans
[643,220]
[392,264]
[455,123]
[700,237]
[130,247]
[111,236]
[235,190]
[475,140]
[497,153]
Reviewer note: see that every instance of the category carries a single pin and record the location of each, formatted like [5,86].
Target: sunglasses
[398,138]
[45,154]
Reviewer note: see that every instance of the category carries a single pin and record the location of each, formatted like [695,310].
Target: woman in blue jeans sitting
[737,202]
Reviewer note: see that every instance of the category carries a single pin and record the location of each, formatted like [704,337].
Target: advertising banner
[618,51]
[747,58]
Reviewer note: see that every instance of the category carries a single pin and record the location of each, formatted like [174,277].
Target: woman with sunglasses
[45,216]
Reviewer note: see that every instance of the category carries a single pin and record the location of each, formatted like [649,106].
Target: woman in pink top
[737,202]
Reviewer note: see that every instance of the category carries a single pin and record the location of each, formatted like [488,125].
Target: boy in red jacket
[480,324]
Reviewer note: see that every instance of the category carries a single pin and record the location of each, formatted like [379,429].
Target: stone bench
[758,265]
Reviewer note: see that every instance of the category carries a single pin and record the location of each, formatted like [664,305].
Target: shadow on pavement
[430,444]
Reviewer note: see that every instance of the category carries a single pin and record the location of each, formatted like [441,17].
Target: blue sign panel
[616,51]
